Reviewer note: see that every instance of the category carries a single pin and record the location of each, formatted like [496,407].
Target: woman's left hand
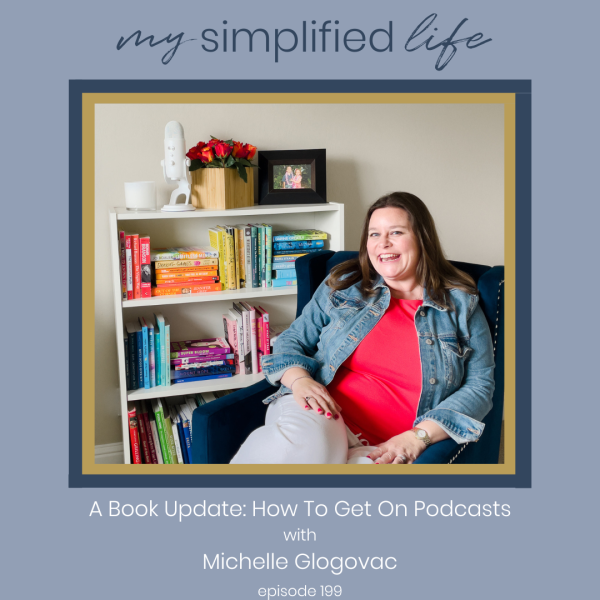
[402,449]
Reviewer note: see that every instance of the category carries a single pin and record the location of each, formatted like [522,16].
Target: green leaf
[246,162]
[229,142]
[196,164]
[242,172]
[230,161]
[212,137]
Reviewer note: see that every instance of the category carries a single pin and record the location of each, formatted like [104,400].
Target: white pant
[293,435]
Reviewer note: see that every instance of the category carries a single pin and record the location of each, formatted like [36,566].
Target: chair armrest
[220,427]
[439,454]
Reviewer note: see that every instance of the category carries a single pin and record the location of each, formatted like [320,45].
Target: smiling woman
[394,340]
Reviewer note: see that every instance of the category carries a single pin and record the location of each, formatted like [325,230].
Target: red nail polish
[368,457]
[319,410]
[336,417]
[306,407]
[328,414]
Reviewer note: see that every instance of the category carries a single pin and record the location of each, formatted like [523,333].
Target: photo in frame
[292,176]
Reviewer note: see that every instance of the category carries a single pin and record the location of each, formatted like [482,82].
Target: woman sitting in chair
[393,341]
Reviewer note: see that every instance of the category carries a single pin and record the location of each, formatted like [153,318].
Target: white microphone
[175,167]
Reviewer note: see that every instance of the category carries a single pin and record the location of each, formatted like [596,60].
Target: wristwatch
[422,435]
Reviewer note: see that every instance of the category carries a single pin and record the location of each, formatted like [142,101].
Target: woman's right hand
[311,395]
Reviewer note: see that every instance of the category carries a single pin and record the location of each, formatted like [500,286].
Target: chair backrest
[312,269]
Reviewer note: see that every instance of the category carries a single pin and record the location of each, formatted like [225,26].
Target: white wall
[451,156]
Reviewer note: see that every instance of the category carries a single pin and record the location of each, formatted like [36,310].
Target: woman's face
[392,246]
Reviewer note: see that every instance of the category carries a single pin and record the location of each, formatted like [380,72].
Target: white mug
[140,195]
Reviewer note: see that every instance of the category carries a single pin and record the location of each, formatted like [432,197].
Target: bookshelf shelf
[196,316]
[196,387]
[228,295]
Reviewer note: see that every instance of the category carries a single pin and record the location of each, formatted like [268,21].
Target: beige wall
[451,156]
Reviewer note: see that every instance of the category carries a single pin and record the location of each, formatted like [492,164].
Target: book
[160,324]
[126,354]
[284,282]
[167,372]
[278,266]
[236,317]
[285,274]
[169,434]
[187,373]
[240,256]
[260,234]
[129,266]
[137,276]
[145,269]
[298,245]
[188,360]
[282,258]
[151,354]
[254,256]
[176,441]
[229,256]
[186,288]
[123,259]
[203,378]
[146,420]
[199,347]
[230,328]
[268,253]
[164,274]
[299,235]
[253,334]
[146,355]
[187,281]
[146,456]
[247,334]
[265,338]
[131,329]
[136,456]
[183,253]
[185,264]
[248,254]
[295,252]
[186,425]
[216,237]
[184,452]
[154,430]
[203,365]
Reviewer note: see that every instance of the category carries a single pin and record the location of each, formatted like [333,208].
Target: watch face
[421,433]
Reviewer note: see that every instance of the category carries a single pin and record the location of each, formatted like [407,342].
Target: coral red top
[379,384]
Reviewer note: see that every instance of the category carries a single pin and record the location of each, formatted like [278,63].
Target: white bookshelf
[199,315]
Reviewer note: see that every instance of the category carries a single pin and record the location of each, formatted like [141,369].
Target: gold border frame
[89,102]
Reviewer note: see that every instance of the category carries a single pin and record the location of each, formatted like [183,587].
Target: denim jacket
[457,357]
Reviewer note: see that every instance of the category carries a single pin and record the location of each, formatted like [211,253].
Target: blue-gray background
[52,546]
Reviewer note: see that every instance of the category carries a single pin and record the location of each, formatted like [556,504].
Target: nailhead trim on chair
[495,341]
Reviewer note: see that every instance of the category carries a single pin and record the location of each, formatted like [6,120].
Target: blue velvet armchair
[221,426]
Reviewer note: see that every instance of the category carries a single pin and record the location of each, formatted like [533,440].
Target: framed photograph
[292,176]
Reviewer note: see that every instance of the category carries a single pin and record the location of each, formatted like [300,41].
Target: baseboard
[109,454]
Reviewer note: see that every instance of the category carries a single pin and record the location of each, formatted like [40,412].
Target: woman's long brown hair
[435,273]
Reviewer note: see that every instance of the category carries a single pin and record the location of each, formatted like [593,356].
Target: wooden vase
[219,189]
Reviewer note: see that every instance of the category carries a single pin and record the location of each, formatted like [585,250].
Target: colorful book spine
[230,328]
[146,353]
[186,264]
[201,372]
[131,329]
[145,269]
[167,371]
[199,347]
[186,425]
[157,357]
[184,453]
[160,323]
[123,259]
[184,253]
[247,333]
[278,266]
[260,234]
[239,328]
[137,276]
[187,288]
[230,258]
[153,428]
[298,245]
[251,312]
[259,337]
[268,253]
[163,274]
[145,445]
[151,442]
[266,331]
[151,354]
[216,238]
[203,378]
[255,262]
[187,281]
[240,258]
[136,455]
[174,429]
[248,254]
[189,360]
[284,282]
[295,253]
[140,356]
[285,274]
[203,365]
[129,266]
[299,235]
[126,353]
[169,434]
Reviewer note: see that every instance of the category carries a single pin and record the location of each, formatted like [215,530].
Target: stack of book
[288,246]
[247,332]
[245,254]
[146,359]
[160,430]
[200,360]
[136,275]
[187,270]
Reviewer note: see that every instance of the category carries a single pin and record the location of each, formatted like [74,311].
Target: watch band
[422,435]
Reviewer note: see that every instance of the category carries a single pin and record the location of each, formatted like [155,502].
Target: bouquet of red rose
[219,154]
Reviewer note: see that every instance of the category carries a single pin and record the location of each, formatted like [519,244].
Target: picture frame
[292,176]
